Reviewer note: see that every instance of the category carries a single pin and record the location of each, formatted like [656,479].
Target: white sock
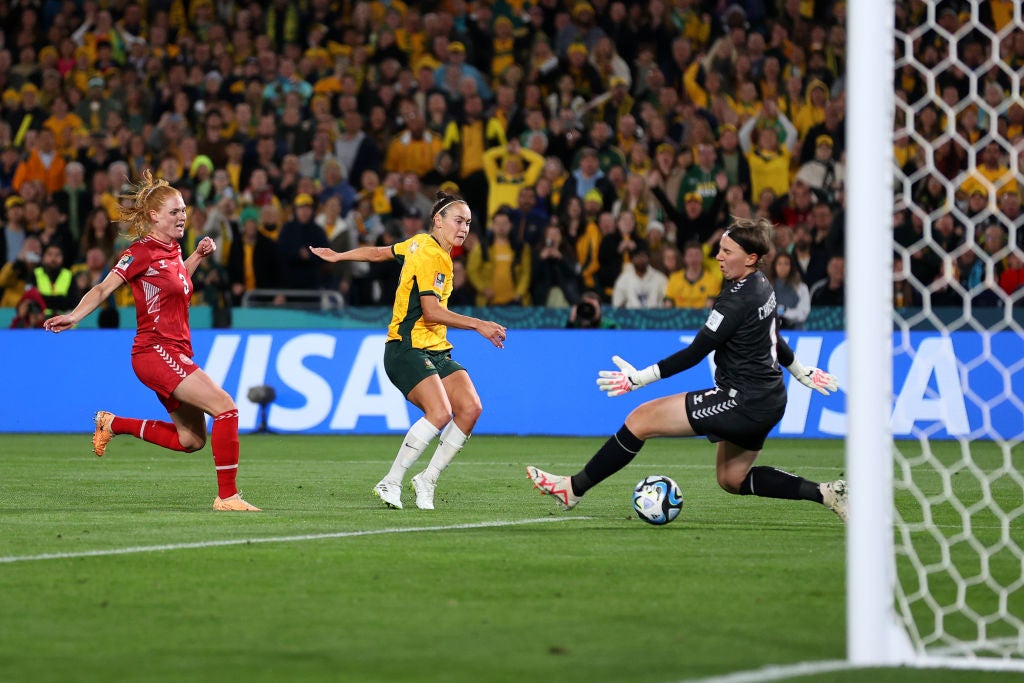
[416,441]
[451,442]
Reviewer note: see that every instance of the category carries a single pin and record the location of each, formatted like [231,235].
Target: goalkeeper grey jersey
[744,325]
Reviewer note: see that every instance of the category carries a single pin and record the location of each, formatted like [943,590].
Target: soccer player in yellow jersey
[417,355]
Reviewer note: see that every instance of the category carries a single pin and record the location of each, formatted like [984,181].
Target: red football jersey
[162,288]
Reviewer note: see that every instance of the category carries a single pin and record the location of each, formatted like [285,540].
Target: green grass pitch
[495,585]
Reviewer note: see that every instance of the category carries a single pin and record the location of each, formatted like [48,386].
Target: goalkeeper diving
[747,401]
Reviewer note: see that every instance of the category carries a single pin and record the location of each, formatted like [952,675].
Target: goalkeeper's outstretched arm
[812,378]
[627,378]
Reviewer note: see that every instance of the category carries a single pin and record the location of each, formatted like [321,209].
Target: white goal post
[890,623]
[872,634]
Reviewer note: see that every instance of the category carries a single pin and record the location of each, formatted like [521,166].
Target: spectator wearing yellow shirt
[747,104]
[466,139]
[813,111]
[584,235]
[507,174]
[17,275]
[414,149]
[769,160]
[695,285]
[499,268]
[990,173]
[1014,119]
[771,83]
[63,122]
[792,102]
[613,105]
[504,46]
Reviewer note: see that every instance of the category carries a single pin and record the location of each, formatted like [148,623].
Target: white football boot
[424,492]
[834,497]
[553,485]
[390,493]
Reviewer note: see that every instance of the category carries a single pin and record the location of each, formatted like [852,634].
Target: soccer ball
[657,499]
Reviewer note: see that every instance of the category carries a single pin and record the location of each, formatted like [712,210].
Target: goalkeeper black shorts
[720,414]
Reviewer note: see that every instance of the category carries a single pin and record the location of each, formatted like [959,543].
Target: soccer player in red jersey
[161,283]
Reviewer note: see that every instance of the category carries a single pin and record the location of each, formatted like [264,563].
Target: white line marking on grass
[777,673]
[275,539]
[708,466]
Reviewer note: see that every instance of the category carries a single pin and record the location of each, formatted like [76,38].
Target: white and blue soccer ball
[657,499]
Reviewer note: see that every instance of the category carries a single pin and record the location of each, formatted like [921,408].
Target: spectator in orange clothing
[43,163]
[414,149]
[63,123]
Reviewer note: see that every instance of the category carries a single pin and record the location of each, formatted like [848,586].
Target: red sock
[161,433]
[224,439]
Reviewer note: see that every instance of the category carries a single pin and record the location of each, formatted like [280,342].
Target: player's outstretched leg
[161,433]
[553,485]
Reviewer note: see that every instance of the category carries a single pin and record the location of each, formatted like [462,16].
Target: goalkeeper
[747,401]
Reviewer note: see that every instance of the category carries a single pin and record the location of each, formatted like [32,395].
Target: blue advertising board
[964,384]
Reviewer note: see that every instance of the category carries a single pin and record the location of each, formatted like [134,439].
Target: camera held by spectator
[586,315]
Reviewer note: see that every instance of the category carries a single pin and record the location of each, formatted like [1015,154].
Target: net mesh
[958,230]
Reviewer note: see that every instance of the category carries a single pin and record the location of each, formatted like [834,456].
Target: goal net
[936,543]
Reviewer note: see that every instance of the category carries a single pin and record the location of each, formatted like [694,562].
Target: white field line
[275,539]
[799,669]
[709,465]
[777,673]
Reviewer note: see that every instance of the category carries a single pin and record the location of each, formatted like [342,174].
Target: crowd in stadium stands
[601,145]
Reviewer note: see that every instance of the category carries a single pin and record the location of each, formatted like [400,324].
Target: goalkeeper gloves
[626,378]
[813,378]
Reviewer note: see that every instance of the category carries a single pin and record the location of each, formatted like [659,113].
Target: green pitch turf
[134,578]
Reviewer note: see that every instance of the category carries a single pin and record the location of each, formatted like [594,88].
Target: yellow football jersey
[686,294]
[426,268]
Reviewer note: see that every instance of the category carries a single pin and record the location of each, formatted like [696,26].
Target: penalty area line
[276,539]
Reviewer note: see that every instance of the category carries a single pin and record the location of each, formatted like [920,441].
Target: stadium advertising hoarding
[543,382]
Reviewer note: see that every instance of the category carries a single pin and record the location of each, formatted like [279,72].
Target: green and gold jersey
[426,270]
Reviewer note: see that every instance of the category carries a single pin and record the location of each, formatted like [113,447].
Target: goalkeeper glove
[813,378]
[626,378]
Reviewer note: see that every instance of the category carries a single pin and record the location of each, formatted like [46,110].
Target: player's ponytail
[149,195]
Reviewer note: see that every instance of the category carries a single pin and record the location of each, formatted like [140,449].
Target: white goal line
[276,539]
[778,672]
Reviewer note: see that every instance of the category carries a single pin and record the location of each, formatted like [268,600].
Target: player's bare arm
[205,247]
[436,314]
[370,254]
[89,303]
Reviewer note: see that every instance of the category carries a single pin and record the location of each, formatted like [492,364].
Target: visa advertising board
[964,384]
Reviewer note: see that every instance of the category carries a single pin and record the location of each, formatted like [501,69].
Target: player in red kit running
[161,283]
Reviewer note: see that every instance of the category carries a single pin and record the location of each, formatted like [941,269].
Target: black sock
[616,453]
[769,482]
